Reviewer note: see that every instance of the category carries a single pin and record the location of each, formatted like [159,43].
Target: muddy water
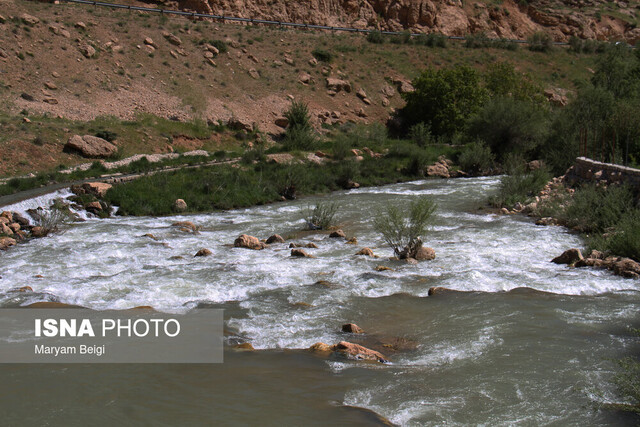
[530,343]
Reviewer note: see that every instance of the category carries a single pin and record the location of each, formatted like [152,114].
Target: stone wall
[587,170]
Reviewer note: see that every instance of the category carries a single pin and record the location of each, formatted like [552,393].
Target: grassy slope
[196,84]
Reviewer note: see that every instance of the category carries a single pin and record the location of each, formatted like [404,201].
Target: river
[531,343]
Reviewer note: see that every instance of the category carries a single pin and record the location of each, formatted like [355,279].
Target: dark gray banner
[30,335]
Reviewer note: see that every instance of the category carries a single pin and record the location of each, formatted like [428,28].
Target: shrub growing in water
[322,216]
[402,229]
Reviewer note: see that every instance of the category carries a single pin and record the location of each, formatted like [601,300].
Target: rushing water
[531,344]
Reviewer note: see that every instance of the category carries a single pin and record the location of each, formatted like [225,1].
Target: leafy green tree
[510,126]
[618,71]
[444,98]
[502,80]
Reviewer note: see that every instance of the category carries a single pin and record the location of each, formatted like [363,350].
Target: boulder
[93,207]
[352,241]
[203,252]
[321,347]
[29,19]
[179,205]
[300,253]
[98,189]
[309,245]
[338,234]
[4,229]
[151,236]
[276,238]
[38,231]
[172,38]
[7,216]
[282,122]
[425,254]
[383,268]
[352,328]
[6,242]
[627,267]
[249,242]
[185,226]
[366,252]
[245,346]
[336,85]
[569,257]
[87,50]
[359,352]
[304,78]
[440,169]
[90,146]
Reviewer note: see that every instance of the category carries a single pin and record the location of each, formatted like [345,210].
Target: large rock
[276,238]
[87,50]
[187,226]
[366,252]
[5,242]
[203,252]
[249,242]
[440,169]
[569,257]
[280,158]
[352,328]
[180,205]
[300,253]
[425,254]
[626,267]
[172,38]
[98,189]
[359,352]
[91,146]
[338,234]
[337,85]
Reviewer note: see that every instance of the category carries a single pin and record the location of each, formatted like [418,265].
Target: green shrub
[322,55]
[476,159]
[341,147]
[375,37]
[540,42]
[520,187]
[402,229]
[625,240]
[420,133]
[300,138]
[298,115]
[596,210]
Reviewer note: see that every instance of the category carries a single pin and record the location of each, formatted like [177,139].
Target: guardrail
[294,25]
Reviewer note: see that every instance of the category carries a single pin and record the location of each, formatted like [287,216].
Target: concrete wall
[585,170]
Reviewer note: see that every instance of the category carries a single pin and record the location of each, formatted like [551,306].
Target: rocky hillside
[589,19]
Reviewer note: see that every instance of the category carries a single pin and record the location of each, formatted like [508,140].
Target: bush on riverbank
[520,186]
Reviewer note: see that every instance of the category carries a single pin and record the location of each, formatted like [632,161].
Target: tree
[444,99]
[509,125]
[402,230]
[502,80]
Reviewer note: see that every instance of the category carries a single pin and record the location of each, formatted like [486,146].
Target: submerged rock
[359,352]
[249,242]
[185,226]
